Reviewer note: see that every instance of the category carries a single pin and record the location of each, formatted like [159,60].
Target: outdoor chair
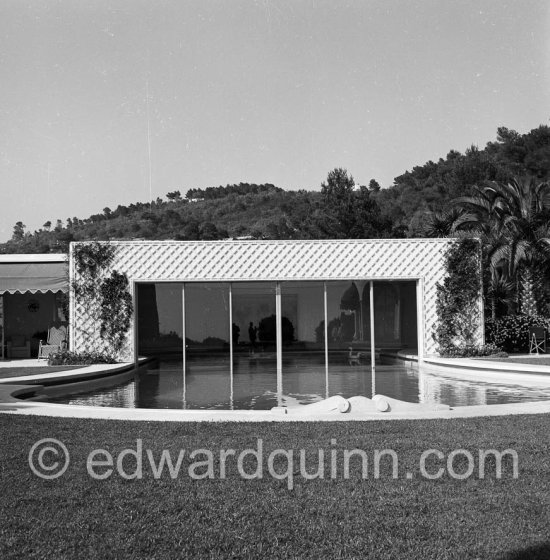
[57,341]
[18,347]
[537,340]
[354,358]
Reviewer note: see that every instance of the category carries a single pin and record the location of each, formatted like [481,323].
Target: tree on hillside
[173,196]
[430,187]
[18,231]
[339,186]
[374,185]
[338,198]
[209,231]
[340,210]
[191,230]
[350,213]
[369,222]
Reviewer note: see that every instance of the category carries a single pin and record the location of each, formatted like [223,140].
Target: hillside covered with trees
[338,209]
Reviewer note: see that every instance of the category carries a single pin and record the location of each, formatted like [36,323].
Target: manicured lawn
[544,361]
[23,371]
[76,516]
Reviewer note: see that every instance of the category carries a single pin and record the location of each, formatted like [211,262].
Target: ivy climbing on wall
[116,309]
[105,292]
[457,300]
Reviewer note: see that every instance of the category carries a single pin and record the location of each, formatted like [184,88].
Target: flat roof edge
[411,240]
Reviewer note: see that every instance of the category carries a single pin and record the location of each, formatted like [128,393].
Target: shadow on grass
[537,552]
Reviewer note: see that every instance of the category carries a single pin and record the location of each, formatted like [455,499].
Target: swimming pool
[254,386]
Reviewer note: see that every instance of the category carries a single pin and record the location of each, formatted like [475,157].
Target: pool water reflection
[254,385]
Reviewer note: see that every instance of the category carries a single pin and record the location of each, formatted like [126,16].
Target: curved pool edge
[78,374]
[19,407]
[486,370]
[12,389]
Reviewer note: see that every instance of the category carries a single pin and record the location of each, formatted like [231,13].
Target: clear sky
[103,102]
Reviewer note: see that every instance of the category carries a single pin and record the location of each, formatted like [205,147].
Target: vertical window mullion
[183,335]
[326,337]
[231,349]
[279,340]
[372,338]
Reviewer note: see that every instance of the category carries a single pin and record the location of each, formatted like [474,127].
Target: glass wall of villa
[348,335]
[255,348]
[312,337]
[207,341]
[159,314]
[303,337]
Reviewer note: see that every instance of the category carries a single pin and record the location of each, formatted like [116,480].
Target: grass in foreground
[535,361]
[77,517]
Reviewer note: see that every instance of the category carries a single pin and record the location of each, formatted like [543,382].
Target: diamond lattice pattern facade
[406,269]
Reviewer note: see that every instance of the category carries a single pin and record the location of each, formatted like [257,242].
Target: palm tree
[501,293]
[440,223]
[513,221]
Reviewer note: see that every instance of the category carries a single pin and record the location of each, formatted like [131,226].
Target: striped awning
[33,277]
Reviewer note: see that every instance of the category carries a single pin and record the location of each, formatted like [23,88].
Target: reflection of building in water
[255,386]
[121,397]
[443,390]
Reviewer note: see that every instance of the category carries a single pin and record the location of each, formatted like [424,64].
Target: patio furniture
[57,341]
[354,358]
[18,347]
[537,340]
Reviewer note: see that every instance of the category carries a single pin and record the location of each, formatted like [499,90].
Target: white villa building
[272,300]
